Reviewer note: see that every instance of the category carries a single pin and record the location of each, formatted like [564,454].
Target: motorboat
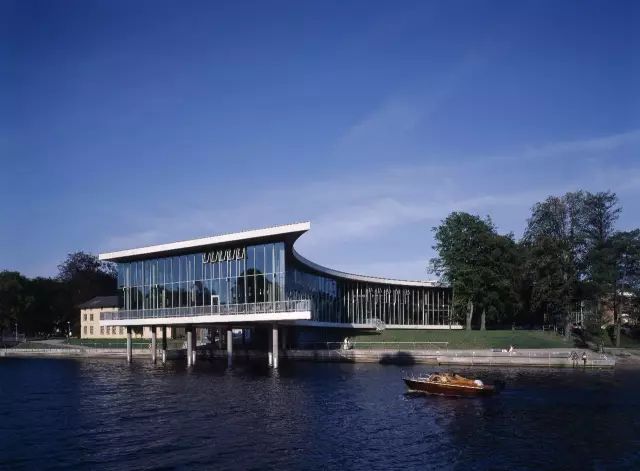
[450,384]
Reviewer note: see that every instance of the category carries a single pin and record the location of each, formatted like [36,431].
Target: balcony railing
[222,310]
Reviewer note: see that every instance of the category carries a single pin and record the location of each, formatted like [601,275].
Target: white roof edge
[366,278]
[205,241]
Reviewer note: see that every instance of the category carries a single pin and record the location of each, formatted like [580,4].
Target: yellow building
[90,327]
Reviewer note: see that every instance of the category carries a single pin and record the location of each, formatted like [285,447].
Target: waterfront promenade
[542,357]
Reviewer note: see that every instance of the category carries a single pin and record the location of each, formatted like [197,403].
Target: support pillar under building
[274,345]
[212,342]
[164,344]
[270,348]
[153,343]
[229,347]
[194,337]
[189,346]
[129,352]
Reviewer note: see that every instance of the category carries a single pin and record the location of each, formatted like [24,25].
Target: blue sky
[131,123]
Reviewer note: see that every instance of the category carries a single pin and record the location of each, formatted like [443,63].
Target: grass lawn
[629,342]
[625,341]
[463,339]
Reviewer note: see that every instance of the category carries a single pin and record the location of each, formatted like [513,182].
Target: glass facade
[338,300]
[266,273]
[252,274]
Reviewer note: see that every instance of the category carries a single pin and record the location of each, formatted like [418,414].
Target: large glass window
[260,259]
[187,280]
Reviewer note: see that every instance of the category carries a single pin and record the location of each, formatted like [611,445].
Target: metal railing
[213,310]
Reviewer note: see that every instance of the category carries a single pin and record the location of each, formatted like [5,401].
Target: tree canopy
[571,253]
[478,263]
[41,306]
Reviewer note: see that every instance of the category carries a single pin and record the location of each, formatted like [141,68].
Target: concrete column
[153,343]
[129,351]
[275,345]
[189,331]
[212,344]
[220,332]
[195,345]
[270,349]
[164,344]
[229,347]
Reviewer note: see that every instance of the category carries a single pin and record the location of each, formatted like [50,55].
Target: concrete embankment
[542,357]
[81,353]
[532,357]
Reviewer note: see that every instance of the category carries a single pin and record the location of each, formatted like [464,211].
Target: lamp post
[69,329]
[16,331]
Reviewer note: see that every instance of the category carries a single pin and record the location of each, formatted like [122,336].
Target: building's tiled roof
[100,301]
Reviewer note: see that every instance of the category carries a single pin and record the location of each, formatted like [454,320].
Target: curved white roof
[369,279]
[292,230]
[268,232]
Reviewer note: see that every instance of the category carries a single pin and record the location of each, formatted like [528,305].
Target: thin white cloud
[585,146]
[373,203]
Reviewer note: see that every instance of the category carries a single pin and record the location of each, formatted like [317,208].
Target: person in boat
[455,379]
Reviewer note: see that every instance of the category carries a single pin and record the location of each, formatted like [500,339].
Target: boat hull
[444,389]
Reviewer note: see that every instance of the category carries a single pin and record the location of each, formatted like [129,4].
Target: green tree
[551,273]
[625,247]
[600,267]
[557,252]
[499,272]
[14,299]
[478,264]
[85,277]
[50,305]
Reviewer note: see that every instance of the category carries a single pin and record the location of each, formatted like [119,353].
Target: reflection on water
[106,414]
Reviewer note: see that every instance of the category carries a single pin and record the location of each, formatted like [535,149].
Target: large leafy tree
[625,282]
[478,264]
[500,274]
[600,268]
[50,305]
[14,299]
[556,251]
[85,277]
[551,272]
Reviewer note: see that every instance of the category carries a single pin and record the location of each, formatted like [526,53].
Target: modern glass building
[254,277]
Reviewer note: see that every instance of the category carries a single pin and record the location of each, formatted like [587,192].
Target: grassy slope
[462,339]
[625,341]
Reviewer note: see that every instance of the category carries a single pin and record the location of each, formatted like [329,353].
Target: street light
[16,331]
[69,329]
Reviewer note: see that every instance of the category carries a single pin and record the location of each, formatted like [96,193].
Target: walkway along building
[257,279]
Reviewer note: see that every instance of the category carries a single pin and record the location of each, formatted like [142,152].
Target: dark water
[105,414]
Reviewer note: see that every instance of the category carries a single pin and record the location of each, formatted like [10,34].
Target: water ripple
[105,414]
